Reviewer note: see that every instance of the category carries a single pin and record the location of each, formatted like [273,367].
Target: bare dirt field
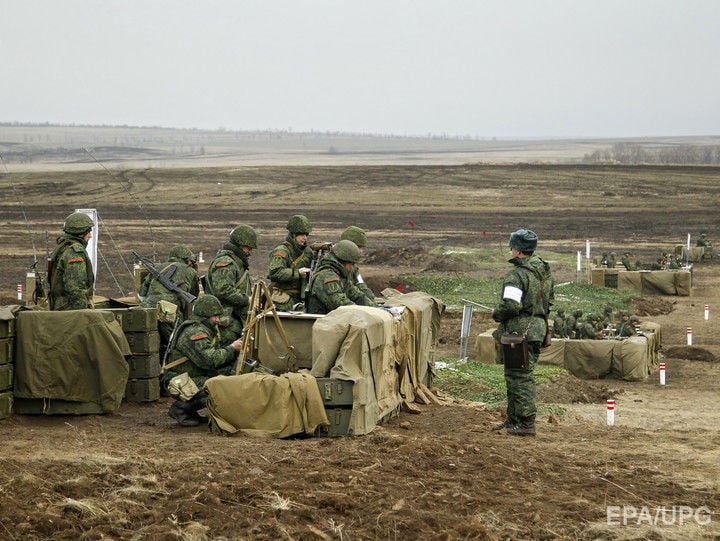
[440,474]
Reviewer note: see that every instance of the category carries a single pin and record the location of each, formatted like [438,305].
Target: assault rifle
[164,278]
[170,343]
[319,249]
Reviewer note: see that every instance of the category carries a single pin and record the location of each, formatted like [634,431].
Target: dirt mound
[651,306]
[571,390]
[690,353]
[416,258]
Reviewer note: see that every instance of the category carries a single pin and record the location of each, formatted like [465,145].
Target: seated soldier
[588,330]
[625,328]
[558,328]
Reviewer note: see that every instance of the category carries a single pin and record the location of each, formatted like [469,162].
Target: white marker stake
[707,312]
[689,333]
[579,261]
[200,258]
[587,249]
[19,292]
[662,373]
[610,412]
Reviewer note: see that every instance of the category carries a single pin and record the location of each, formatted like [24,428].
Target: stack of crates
[337,395]
[7,352]
[140,328]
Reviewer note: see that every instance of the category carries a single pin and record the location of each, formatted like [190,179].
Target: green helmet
[634,319]
[355,234]
[578,313]
[244,235]
[78,223]
[207,306]
[346,251]
[182,253]
[299,225]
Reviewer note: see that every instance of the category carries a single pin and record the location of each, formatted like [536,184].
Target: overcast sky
[488,68]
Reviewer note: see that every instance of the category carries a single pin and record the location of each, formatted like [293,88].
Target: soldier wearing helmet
[180,269]
[359,237]
[625,327]
[228,277]
[332,283]
[72,279]
[196,356]
[289,264]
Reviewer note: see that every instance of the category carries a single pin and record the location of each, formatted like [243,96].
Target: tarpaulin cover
[78,356]
[661,282]
[263,405]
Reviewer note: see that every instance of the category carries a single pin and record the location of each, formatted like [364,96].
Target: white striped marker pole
[200,258]
[19,291]
[689,333]
[707,312]
[610,412]
[662,373]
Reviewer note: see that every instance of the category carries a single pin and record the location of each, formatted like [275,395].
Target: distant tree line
[633,153]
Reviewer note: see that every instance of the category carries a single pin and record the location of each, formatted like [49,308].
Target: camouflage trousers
[520,385]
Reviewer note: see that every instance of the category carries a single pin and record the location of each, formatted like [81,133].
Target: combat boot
[507,423]
[523,427]
[183,414]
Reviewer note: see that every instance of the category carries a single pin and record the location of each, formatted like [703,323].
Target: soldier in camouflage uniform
[359,237]
[289,265]
[72,279]
[197,352]
[180,269]
[228,278]
[559,329]
[612,260]
[526,297]
[572,322]
[590,330]
[332,282]
[625,328]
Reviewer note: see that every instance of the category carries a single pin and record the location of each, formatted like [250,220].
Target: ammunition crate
[335,392]
[6,377]
[143,343]
[142,390]
[339,423]
[144,366]
[136,319]
[6,404]
[7,349]
[52,406]
[7,328]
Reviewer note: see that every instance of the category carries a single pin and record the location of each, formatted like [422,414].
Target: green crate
[7,349]
[6,377]
[142,390]
[6,404]
[144,366]
[143,343]
[339,423]
[7,328]
[335,392]
[136,319]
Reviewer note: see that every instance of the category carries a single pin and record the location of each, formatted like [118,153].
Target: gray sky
[488,68]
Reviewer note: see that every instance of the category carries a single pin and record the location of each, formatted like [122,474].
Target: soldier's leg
[524,394]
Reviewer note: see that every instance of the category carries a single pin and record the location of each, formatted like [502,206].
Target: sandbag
[589,359]
[553,354]
[630,359]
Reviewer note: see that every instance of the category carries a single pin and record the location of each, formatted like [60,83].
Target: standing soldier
[289,265]
[332,283]
[359,237]
[612,260]
[197,356]
[228,276]
[71,274]
[180,271]
[525,300]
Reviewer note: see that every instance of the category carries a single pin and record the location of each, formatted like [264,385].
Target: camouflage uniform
[589,329]
[359,237]
[571,323]
[332,285]
[625,328]
[72,278]
[611,261]
[288,285]
[559,329]
[626,261]
[527,293]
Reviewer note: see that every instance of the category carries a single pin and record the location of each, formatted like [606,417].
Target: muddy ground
[439,474]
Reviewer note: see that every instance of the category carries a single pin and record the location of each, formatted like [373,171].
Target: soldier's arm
[224,277]
[203,354]
[511,297]
[75,279]
[279,267]
[328,290]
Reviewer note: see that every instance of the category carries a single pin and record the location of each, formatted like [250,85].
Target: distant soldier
[588,330]
[571,323]
[612,260]
[289,265]
[604,259]
[607,317]
[624,327]
[706,244]
[228,278]
[197,356]
[332,283]
[625,260]
[559,328]
[359,237]
[180,270]
[71,275]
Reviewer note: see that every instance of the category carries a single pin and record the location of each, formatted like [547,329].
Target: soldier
[71,275]
[181,271]
[559,329]
[197,356]
[612,260]
[228,278]
[607,317]
[332,283]
[589,329]
[626,261]
[359,237]
[571,323]
[525,299]
[624,327]
[289,265]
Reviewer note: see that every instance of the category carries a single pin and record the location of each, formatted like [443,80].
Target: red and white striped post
[707,312]
[689,335]
[19,291]
[662,373]
[610,412]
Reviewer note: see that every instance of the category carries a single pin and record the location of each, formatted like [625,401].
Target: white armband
[513,293]
[360,279]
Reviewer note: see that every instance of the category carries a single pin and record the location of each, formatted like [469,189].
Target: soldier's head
[560,311]
[244,237]
[578,313]
[208,307]
[524,241]
[299,228]
[634,320]
[78,224]
[355,234]
[182,253]
[346,252]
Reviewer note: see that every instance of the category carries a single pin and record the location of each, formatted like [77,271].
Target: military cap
[524,240]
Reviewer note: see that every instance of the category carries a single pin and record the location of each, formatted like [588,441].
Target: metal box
[335,392]
[142,390]
[339,423]
[143,343]
[144,366]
